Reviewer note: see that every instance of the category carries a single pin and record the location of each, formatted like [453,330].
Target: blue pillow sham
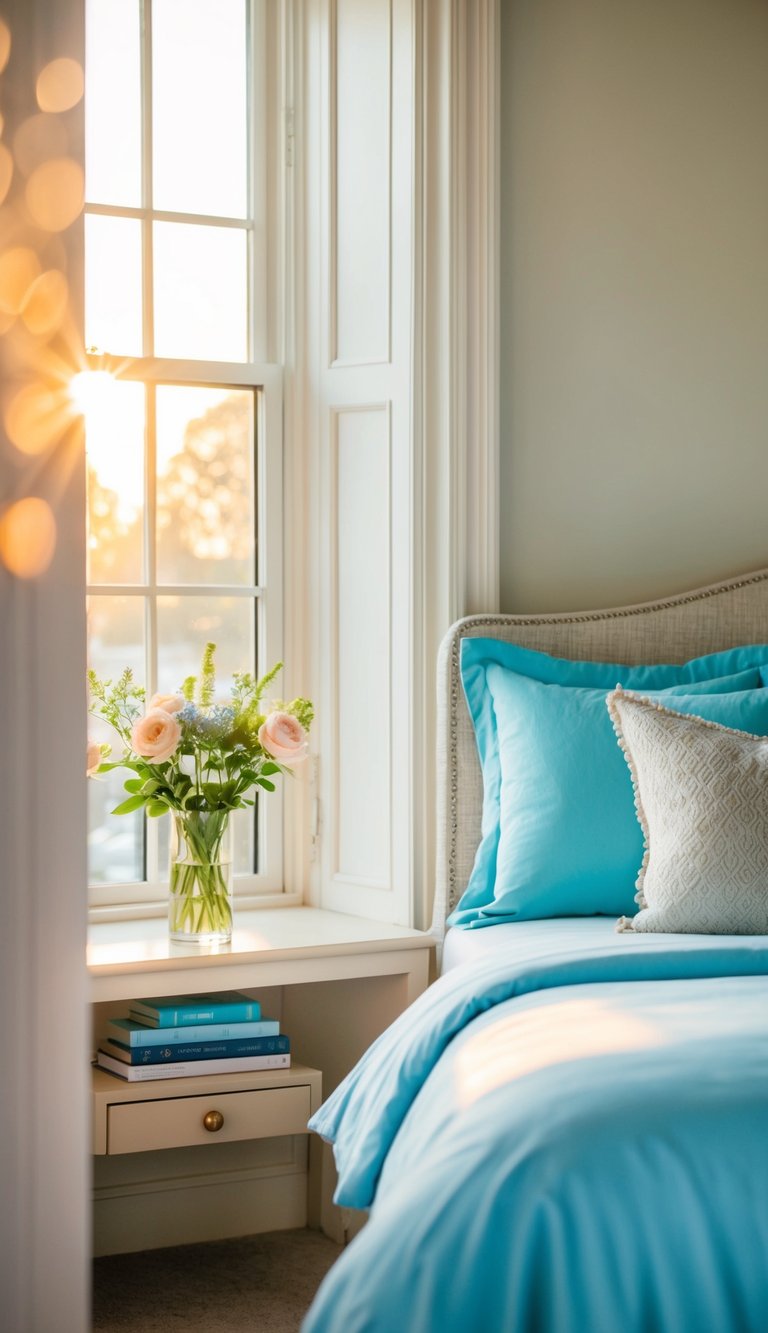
[557,839]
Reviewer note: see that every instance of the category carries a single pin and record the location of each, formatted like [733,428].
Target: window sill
[154,910]
[127,959]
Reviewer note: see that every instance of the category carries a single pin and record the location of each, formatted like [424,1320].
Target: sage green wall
[634,298]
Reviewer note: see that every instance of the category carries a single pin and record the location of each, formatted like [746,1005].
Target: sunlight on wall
[55,194]
[27,537]
[555,1034]
[60,85]
[5,44]
[45,303]
[36,418]
[41,196]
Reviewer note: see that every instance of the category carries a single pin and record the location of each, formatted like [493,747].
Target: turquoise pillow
[556,756]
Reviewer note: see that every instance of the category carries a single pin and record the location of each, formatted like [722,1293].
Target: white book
[236,1064]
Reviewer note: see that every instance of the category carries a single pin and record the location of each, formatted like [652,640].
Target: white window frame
[268,52]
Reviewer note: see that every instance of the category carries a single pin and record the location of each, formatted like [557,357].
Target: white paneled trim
[361,644]
[360,882]
[353,377]
[425,210]
[360,168]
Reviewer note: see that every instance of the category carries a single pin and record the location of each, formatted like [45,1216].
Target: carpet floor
[262,1284]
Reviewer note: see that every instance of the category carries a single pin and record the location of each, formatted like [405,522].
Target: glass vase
[200,878]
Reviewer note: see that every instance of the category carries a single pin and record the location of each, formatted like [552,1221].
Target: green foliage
[119,704]
[247,694]
[218,760]
[207,685]
[302,709]
[133,803]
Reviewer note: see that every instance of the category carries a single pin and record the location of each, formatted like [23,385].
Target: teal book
[170,1011]
[203,1050]
[129,1033]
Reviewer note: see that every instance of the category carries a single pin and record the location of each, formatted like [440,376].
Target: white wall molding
[355,306]
[456,357]
[432,111]
[477,202]
[360,59]
[44,1036]
[360,819]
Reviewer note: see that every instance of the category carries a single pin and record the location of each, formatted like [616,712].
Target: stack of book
[183,1035]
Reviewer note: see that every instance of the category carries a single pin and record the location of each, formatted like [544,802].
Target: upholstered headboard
[673,630]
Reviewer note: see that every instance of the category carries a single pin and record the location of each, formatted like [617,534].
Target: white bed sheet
[521,937]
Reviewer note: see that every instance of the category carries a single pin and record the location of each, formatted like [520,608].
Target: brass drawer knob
[213,1121]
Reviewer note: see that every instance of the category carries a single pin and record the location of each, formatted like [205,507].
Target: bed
[568,1132]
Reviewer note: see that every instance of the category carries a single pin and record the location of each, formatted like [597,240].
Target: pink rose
[283,736]
[170,703]
[92,758]
[156,735]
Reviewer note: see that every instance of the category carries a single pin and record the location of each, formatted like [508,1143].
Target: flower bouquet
[199,760]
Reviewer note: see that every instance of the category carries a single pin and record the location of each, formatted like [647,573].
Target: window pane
[113,285]
[115,641]
[114,444]
[205,486]
[186,624]
[199,106]
[200,277]
[113,103]
[244,840]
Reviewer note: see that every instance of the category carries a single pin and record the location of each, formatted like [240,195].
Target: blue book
[170,1011]
[204,1050]
[128,1033]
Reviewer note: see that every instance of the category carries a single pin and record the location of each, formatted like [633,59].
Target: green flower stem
[199,880]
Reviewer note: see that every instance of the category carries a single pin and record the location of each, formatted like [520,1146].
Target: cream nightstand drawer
[182,1122]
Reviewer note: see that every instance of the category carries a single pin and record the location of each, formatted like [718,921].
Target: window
[182,405]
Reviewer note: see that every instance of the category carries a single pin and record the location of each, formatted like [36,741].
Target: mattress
[516,938]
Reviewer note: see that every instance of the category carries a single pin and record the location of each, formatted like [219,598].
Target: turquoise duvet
[570,1137]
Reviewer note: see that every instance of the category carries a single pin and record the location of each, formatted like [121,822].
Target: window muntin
[181,447]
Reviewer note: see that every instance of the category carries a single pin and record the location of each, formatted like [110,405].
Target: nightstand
[162,1176]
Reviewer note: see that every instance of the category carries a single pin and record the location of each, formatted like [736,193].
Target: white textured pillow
[701,792]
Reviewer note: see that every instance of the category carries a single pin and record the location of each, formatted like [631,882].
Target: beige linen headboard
[723,615]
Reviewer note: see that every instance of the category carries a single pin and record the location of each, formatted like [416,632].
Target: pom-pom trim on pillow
[672,894]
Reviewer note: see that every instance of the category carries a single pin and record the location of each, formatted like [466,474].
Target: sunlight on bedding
[569,1030]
